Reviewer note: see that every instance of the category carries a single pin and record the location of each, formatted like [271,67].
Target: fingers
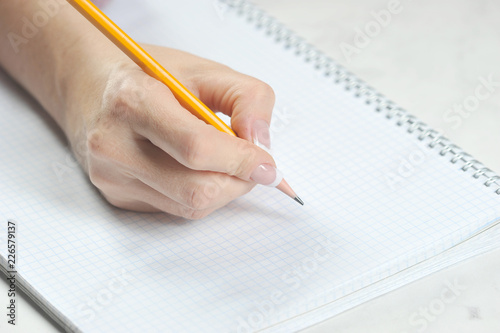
[148,153]
[248,101]
[150,200]
[197,190]
[244,98]
[141,177]
[190,141]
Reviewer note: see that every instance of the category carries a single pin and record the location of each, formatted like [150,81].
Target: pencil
[151,67]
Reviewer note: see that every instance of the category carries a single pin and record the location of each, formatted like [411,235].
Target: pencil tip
[299,200]
[285,188]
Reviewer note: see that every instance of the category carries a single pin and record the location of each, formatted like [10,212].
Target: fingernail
[268,175]
[260,134]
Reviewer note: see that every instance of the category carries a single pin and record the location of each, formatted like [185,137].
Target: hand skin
[139,147]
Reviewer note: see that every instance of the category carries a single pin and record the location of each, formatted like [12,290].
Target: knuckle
[241,169]
[243,165]
[198,197]
[100,145]
[96,143]
[194,151]
[123,96]
[261,89]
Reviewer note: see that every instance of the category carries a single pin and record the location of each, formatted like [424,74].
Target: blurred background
[428,56]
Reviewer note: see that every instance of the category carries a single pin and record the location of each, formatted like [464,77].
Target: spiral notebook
[388,200]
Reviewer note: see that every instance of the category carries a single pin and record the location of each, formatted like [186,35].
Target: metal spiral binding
[340,75]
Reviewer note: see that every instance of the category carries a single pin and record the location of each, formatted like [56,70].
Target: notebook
[388,200]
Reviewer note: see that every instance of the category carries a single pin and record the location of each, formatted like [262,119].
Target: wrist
[47,50]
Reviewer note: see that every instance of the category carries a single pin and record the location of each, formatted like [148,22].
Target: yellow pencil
[150,66]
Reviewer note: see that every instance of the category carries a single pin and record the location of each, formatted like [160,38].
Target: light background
[430,56]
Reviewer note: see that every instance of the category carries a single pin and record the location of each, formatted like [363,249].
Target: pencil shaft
[148,64]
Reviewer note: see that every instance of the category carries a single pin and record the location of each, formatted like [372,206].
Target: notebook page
[263,258]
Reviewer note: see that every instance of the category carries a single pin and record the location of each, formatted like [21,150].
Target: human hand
[145,152]
[138,145]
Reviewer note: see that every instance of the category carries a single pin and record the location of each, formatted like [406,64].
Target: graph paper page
[263,258]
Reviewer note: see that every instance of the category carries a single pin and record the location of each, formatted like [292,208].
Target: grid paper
[262,259]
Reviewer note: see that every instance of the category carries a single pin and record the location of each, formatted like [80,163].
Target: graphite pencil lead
[299,200]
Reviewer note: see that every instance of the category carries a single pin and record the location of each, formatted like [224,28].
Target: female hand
[139,146]
[145,152]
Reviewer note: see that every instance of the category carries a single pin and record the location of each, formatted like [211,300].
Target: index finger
[248,101]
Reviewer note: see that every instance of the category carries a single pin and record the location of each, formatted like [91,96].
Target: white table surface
[429,57]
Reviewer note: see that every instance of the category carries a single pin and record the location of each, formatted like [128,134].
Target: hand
[145,152]
[138,145]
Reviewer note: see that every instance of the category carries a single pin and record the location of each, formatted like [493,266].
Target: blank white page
[263,258]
